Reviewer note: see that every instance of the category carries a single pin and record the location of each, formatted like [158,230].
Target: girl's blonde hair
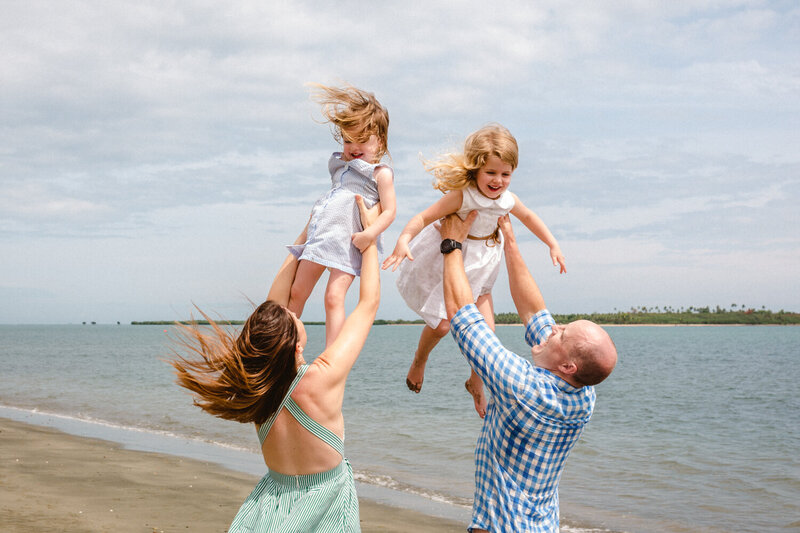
[454,171]
[354,113]
[242,378]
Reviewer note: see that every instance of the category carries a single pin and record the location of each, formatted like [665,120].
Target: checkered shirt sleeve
[501,370]
[533,420]
[539,327]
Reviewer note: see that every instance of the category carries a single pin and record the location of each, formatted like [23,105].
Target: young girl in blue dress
[336,237]
[476,179]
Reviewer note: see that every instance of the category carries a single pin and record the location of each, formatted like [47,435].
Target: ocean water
[697,429]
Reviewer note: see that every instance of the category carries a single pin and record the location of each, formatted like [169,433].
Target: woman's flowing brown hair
[244,377]
[354,111]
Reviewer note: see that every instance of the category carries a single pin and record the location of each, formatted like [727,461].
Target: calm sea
[698,429]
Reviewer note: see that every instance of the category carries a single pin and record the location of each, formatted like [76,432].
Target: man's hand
[454,228]
[524,291]
[509,239]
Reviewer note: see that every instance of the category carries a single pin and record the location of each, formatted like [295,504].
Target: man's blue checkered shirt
[533,420]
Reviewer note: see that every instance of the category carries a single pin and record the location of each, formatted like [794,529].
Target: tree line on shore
[635,315]
[690,316]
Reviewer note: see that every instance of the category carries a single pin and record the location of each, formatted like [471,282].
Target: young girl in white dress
[476,179]
[336,237]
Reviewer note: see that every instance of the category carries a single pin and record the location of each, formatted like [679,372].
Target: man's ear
[568,368]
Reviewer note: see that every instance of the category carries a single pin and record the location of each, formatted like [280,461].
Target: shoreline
[668,325]
[58,481]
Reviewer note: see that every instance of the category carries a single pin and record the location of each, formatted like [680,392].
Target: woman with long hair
[261,377]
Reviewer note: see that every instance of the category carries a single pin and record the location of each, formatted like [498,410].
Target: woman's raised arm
[339,357]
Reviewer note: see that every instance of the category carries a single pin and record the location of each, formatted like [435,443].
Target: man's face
[559,353]
[556,349]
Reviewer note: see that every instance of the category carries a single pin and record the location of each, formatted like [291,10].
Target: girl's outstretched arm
[385,179]
[446,205]
[281,286]
[540,229]
[338,358]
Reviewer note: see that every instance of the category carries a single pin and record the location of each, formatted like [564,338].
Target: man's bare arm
[524,290]
[457,291]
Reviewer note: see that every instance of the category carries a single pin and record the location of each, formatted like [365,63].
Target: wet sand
[55,482]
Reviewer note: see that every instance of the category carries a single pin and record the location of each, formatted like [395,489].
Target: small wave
[388,482]
[568,529]
[86,419]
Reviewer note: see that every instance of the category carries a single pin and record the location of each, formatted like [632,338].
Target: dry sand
[55,482]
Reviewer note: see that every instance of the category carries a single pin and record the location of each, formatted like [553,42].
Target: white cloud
[146,138]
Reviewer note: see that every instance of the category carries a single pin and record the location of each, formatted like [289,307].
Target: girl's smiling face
[367,150]
[493,177]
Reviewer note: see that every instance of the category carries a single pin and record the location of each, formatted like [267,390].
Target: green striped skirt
[317,502]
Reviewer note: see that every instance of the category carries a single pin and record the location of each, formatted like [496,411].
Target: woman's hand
[363,239]
[368,214]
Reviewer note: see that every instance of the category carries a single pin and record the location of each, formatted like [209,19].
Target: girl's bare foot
[416,373]
[476,390]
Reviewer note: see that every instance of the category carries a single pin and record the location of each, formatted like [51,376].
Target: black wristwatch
[448,245]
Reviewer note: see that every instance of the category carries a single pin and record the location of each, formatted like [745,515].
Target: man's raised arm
[457,291]
[524,290]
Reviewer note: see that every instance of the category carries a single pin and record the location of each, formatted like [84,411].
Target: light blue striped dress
[335,216]
[324,502]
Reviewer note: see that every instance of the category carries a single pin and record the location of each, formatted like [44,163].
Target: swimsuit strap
[316,429]
[264,428]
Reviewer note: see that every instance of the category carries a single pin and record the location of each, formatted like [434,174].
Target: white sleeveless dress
[420,281]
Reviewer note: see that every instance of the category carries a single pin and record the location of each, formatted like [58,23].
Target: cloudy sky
[159,154]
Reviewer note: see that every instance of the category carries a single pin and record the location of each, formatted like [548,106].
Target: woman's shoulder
[309,382]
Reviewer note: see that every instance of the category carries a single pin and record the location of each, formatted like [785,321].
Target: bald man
[538,407]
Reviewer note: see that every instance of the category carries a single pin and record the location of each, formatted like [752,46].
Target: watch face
[448,245]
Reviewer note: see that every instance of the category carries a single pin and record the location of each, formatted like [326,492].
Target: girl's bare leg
[338,284]
[473,384]
[427,342]
[305,279]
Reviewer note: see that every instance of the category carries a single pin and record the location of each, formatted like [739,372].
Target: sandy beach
[56,482]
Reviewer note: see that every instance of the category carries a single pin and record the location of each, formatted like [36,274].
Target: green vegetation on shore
[636,315]
[693,316]
[668,316]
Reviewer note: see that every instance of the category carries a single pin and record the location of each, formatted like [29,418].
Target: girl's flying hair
[355,114]
[240,378]
[454,171]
